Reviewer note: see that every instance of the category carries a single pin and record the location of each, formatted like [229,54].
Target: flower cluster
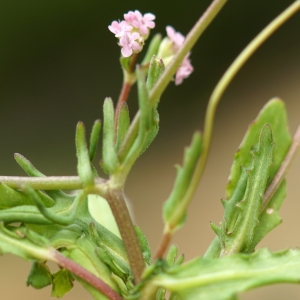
[133,31]
[169,47]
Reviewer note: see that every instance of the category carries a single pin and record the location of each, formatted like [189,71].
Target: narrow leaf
[94,139]
[123,124]
[110,159]
[174,210]
[83,166]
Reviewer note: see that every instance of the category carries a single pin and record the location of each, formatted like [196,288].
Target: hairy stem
[47,183]
[120,211]
[87,276]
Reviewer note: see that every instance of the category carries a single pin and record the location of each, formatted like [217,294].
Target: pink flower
[129,44]
[140,21]
[184,70]
[176,37]
[119,28]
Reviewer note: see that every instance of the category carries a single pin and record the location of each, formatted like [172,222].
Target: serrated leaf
[174,209]
[110,158]
[39,275]
[222,279]
[237,230]
[84,168]
[274,114]
[269,218]
[62,283]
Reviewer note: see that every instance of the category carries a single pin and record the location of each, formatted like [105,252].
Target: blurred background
[58,61]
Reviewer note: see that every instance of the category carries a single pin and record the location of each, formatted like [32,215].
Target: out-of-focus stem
[282,170]
[87,276]
[47,183]
[164,243]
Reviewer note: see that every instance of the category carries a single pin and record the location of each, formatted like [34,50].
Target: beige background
[49,82]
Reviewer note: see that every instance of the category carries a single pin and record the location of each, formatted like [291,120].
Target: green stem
[171,69]
[47,183]
[222,85]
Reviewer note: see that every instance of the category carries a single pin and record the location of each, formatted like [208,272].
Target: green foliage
[274,114]
[241,218]
[39,275]
[110,159]
[62,283]
[123,124]
[174,210]
[94,139]
[222,279]
[240,179]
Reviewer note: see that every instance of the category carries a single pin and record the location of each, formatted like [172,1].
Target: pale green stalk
[46,183]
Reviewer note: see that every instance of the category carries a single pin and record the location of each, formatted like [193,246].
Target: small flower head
[119,28]
[129,43]
[140,21]
[169,47]
[133,31]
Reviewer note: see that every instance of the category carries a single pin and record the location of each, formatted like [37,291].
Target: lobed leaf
[222,279]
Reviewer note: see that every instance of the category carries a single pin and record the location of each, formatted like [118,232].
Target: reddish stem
[164,243]
[87,276]
[125,90]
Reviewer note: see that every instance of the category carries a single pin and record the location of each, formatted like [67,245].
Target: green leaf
[94,139]
[222,279]
[274,114]
[174,209]
[241,218]
[110,159]
[39,275]
[269,218]
[62,283]
[144,245]
[123,124]
[84,166]
[152,49]
[24,243]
